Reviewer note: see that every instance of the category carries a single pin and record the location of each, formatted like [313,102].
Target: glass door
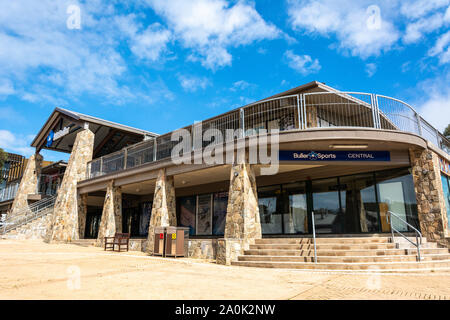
[326,206]
[295,217]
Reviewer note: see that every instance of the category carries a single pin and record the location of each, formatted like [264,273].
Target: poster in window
[145,218]
[187,213]
[204,215]
[220,213]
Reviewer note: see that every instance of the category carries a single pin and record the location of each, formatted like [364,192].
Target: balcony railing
[289,113]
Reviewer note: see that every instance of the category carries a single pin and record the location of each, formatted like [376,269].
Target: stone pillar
[64,225]
[112,214]
[82,214]
[28,184]
[432,212]
[243,223]
[164,209]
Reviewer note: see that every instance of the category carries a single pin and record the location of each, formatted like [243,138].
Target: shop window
[396,194]
[295,216]
[326,206]
[144,221]
[204,214]
[187,208]
[446,188]
[270,216]
[220,213]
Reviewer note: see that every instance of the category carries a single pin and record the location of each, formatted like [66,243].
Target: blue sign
[50,139]
[335,155]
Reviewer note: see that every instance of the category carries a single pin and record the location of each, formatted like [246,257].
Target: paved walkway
[35,270]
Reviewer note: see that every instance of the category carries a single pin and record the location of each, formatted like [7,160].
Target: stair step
[354,252]
[352,240]
[371,266]
[328,246]
[343,259]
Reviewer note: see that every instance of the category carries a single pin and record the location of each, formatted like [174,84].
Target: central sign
[334,155]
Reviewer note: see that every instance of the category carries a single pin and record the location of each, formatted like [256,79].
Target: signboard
[445,166]
[50,139]
[61,133]
[334,155]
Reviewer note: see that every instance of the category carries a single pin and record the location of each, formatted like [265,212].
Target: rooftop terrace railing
[9,192]
[288,113]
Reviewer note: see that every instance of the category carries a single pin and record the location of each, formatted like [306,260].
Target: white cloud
[15,143]
[358,29]
[442,48]
[371,68]
[303,64]
[192,83]
[211,27]
[6,88]
[416,30]
[418,8]
[241,85]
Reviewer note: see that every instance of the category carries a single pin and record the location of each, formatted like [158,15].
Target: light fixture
[349,146]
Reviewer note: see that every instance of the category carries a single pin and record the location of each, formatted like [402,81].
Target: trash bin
[159,241]
[176,241]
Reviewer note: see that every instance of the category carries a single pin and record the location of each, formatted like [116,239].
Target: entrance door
[326,206]
[93,218]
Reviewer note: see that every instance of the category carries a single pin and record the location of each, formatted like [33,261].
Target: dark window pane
[271,218]
[296,211]
[187,207]
[220,213]
[204,214]
[326,206]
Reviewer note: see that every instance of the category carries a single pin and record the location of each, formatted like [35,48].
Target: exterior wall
[432,212]
[64,226]
[112,214]
[28,184]
[164,206]
[243,224]
[202,248]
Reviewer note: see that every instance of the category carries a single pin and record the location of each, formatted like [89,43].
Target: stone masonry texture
[112,214]
[64,226]
[164,209]
[243,224]
[430,196]
[28,184]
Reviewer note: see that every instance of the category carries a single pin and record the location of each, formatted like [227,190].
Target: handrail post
[314,237]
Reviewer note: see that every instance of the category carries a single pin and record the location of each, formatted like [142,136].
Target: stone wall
[432,212]
[35,229]
[64,226]
[164,206]
[82,214]
[111,221]
[202,248]
[243,224]
[28,184]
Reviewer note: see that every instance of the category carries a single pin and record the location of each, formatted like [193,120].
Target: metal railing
[9,192]
[314,236]
[34,211]
[418,242]
[288,113]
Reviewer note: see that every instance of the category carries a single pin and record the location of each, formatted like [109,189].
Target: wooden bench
[120,240]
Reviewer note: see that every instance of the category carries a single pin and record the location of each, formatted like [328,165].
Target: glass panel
[326,206]
[446,187]
[271,219]
[295,208]
[187,213]
[204,214]
[396,194]
[359,204]
[144,221]
[220,213]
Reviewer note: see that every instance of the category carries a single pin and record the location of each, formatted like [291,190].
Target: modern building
[48,181]
[346,161]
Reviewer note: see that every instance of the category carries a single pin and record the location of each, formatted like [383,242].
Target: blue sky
[161,65]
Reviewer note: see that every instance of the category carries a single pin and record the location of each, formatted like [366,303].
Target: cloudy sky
[163,64]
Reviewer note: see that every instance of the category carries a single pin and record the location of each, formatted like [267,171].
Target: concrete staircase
[346,253]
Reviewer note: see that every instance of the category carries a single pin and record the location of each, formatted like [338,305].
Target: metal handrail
[418,243]
[314,237]
[33,212]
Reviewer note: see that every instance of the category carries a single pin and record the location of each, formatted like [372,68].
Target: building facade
[308,159]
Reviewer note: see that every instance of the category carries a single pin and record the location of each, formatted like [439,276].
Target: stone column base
[228,250]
